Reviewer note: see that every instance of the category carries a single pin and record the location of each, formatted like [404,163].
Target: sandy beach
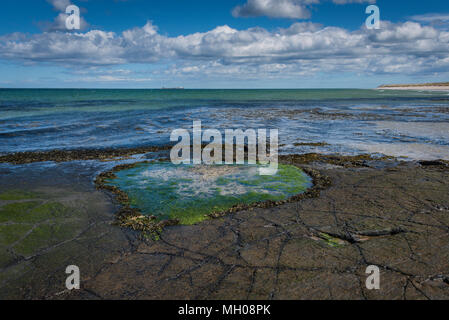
[439,86]
[417,88]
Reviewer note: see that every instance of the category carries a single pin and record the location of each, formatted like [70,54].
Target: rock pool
[189,192]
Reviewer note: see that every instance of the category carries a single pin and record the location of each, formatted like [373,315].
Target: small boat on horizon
[175,88]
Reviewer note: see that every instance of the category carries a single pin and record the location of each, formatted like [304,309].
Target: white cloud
[60,5]
[109,78]
[435,19]
[431,17]
[302,49]
[406,32]
[275,8]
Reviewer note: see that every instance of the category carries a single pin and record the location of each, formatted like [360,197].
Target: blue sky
[223,44]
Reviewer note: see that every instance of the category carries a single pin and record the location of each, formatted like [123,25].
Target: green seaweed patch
[310,144]
[28,226]
[47,235]
[331,241]
[18,212]
[75,155]
[359,161]
[50,210]
[10,234]
[15,195]
[31,212]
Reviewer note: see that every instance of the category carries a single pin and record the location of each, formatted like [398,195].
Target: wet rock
[433,163]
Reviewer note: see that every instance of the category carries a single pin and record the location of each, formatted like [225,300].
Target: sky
[222,44]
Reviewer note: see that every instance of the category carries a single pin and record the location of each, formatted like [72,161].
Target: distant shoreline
[442,86]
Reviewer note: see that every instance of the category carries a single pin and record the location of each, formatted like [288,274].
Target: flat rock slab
[44,231]
[394,218]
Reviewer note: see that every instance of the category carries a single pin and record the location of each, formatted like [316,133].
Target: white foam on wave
[412,151]
[202,180]
[431,130]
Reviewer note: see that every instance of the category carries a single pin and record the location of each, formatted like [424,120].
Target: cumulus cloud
[293,9]
[301,49]
[431,17]
[60,5]
[275,8]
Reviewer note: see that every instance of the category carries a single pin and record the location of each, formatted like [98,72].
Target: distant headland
[438,86]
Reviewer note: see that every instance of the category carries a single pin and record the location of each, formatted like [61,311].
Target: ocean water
[409,124]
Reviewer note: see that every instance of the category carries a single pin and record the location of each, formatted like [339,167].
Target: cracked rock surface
[396,218]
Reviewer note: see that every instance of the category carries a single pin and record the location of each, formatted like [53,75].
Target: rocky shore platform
[394,215]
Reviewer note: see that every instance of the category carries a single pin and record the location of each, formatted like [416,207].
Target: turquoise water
[400,123]
[188,192]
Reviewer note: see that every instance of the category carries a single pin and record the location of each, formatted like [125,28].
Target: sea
[410,125]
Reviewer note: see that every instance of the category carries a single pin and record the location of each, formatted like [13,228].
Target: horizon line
[183,89]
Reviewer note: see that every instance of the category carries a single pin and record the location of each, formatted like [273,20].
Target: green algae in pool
[189,192]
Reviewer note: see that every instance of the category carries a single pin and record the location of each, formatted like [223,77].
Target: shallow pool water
[189,192]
